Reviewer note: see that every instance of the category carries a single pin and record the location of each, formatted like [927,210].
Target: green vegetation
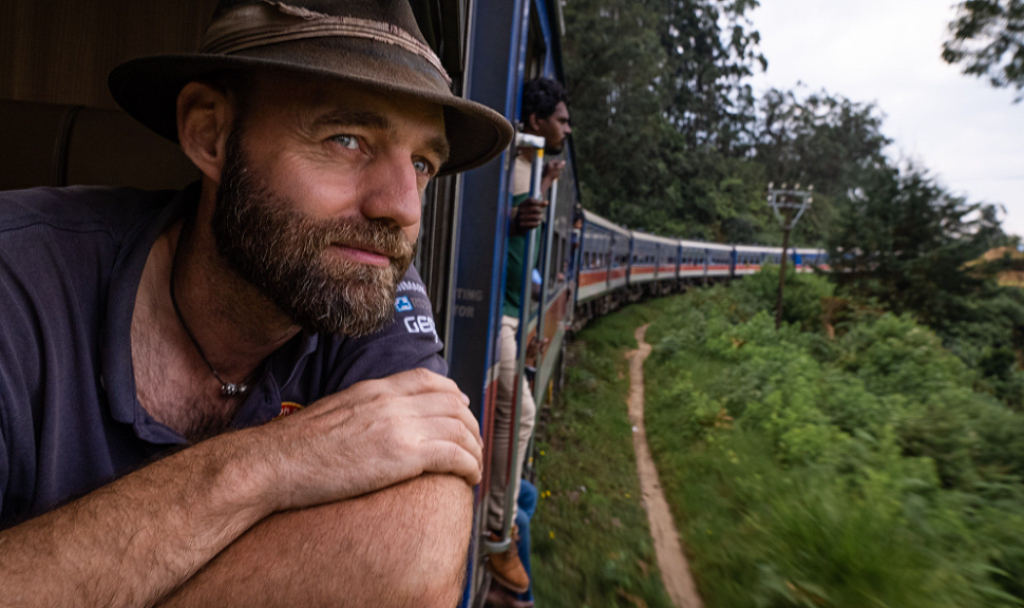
[671,138]
[871,453]
[912,248]
[591,544]
[864,470]
[985,38]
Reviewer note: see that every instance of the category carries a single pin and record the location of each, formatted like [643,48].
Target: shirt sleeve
[20,367]
[410,341]
[4,475]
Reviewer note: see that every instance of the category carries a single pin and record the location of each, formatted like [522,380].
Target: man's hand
[552,171]
[536,348]
[527,216]
[370,436]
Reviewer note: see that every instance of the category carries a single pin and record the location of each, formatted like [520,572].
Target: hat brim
[147,88]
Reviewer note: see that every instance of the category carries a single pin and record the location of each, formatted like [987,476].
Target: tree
[708,101]
[656,90]
[987,37]
[821,139]
[903,239]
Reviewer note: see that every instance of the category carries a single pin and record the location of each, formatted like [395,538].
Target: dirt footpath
[675,571]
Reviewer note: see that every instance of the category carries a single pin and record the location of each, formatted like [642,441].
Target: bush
[873,469]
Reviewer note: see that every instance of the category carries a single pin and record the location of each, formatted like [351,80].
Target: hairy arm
[132,541]
[402,546]
[136,540]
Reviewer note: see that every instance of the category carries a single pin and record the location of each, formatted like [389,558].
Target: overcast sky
[970,135]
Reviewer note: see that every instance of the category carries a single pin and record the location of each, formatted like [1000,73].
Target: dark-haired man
[149,339]
[544,113]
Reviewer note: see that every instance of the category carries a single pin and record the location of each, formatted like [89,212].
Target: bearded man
[149,339]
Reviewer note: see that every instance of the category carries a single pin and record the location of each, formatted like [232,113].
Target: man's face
[319,200]
[554,128]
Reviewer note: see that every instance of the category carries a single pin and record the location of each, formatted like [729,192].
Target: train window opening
[536,50]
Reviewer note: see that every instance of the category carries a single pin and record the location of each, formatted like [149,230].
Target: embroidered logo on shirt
[421,325]
[288,408]
[403,304]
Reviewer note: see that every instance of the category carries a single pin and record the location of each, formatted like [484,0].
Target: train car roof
[643,236]
[758,249]
[594,218]
[718,246]
[693,244]
[812,250]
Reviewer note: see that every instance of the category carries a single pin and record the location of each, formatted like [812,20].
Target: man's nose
[393,191]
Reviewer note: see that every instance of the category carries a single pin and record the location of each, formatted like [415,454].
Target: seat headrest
[58,145]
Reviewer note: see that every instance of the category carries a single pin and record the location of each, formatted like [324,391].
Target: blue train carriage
[654,265]
[807,259]
[749,259]
[693,262]
[604,257]
[719,260]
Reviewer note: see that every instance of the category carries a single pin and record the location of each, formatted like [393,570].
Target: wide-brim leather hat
[375,44]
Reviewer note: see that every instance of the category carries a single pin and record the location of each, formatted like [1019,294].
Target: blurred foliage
[671,139]
[657,90]
[913,248]
[861,470]
[987,38]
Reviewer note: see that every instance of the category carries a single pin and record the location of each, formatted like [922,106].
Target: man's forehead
[314,97]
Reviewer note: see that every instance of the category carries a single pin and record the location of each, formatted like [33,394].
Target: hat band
[251,26]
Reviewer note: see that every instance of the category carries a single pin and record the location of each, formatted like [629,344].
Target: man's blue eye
[347,141]
[422,166]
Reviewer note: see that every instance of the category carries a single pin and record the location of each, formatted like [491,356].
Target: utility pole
[788,206]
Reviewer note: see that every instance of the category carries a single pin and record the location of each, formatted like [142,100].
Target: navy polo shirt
[70,421]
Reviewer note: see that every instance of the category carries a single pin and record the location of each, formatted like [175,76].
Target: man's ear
[205,115]
[532,123]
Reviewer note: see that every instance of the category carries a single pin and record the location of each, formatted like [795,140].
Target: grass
[591,544]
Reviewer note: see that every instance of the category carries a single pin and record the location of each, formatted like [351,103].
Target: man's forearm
[139,538]
[401,546]
[133,541]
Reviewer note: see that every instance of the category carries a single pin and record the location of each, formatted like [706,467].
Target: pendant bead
[230,389]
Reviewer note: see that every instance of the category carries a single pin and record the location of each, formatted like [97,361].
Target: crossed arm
[329,506]
[403,546]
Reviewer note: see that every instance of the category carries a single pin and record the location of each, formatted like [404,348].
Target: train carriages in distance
[604,260]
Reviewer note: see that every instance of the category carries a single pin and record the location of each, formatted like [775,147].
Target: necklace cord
[228,389]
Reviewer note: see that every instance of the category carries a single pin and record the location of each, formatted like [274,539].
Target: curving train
[617,265]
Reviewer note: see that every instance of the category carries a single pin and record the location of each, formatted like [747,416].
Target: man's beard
[284,253]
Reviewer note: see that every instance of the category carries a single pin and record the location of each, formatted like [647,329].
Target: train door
[508,43]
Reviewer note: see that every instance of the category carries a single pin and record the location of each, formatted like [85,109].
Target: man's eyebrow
[439,146]
[352,118]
